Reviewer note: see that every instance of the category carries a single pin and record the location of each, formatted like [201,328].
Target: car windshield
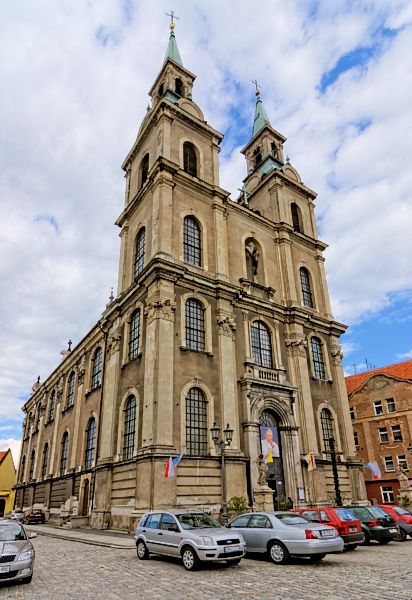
[401,511]
[291,519]
[377,512]
[11,532]
[345,514]
[196,521]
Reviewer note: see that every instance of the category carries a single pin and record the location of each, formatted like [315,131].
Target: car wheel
[367,539]
[142,551]
[400,536]
[190,559]
[27,579]
[316,557]
[278,553]
[235,561]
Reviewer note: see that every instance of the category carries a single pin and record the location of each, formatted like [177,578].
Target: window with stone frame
[397,433]
[129,430]
[45,461]
[22,468]
[134,335]
[192,248]
[307,295]
[389,466]
[32,461]
[196,423]
[97,369]
[388,496]
[189,159]
[326,421]
[296,217]
[390,405]
[64,453]
[383,435]
[356,439]
[52,405]
[377,407]
[139,252]
[144,169]
[261,342]
[403,462]
[90,444]
[352,413]
[195,333]
[70,390]
[317,358]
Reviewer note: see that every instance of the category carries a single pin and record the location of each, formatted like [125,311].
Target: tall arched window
[194,325]
[296,217]
[261,344]
[306,287]
[317,357]
[22,468]
[196,422]
[32,461]
[134,335]
[326,421]
[129,431]
[64,454]
[45,461]
[189,159]
[192,252]
[97,369]
[90,444]
[144,169]
[70,390]
[139,252]
[52,405]
[257,155]
[179,86]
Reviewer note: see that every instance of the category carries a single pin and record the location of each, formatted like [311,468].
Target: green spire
[172,51]
[261,118]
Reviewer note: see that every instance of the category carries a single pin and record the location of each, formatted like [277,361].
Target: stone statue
[262,470]
[403,478]
[252,258]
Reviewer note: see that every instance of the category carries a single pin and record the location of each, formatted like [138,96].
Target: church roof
[261,118]
[401,370]
[172,51]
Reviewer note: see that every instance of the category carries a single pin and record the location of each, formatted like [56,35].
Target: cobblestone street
[72,570]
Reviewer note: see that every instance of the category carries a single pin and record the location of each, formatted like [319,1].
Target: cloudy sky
[336,79]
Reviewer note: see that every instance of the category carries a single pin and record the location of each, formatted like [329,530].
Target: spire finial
[69,346]
[172,18]
[257,92]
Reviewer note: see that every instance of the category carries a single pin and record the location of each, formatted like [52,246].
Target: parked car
[16,552]
[376,524]
[35,516]
[342,519]
[403,520]
[17,515]
[192,535]
[285,534]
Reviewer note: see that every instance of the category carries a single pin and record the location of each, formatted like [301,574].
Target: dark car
[376,524]
[342,519]
[403,519]
[35,516]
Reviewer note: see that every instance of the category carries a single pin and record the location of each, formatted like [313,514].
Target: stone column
[162,219]
[323,284]
[286,269]
[291,461]
[345,429]
[78,436]
[222,260]
[215,159]
[122,275]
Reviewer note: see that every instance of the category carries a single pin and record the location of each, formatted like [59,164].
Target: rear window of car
[361,513]
[401,511]
[377,512]
[344,514]
[291,519]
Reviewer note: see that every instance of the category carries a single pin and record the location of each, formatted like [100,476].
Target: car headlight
[207,541]
[26,555]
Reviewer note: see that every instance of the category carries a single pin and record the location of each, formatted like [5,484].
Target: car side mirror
[32,535]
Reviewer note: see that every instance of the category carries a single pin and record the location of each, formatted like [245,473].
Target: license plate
[327,533]
[232,548]
[393,530]
[352,529]
[4,568]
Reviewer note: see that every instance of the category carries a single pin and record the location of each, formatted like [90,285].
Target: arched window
[70,390]
[129,431]
[326,421]
[90,444]
[64,453]
[189,159]
[261,344]
[194,325]
[139,252]
[32,461]
[161,89]
[306,287]
[97,369]
[52,405]
[134,335]
[317,357]
[179,86]
[196,422]
[45,461]
[22,468]
[192,252]
[296,217]
[144,169]
[257,155]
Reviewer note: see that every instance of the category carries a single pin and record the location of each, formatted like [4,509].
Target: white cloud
[405,355]
[15,447]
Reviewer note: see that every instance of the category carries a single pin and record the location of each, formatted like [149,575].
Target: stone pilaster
[286,269]
[122,283]
[162,216]
[222,264]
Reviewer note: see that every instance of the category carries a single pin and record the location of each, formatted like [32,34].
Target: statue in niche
[262,469]
[252,260]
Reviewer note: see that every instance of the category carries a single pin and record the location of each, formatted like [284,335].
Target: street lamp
[335,471]
[222,444]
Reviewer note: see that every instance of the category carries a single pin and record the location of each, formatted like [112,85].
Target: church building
[221,330]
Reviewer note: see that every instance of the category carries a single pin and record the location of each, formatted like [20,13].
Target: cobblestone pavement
[71,570]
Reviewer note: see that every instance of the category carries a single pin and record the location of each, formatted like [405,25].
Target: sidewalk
[95,537]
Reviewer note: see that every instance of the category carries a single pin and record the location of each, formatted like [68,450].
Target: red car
[342,519]
[403,520]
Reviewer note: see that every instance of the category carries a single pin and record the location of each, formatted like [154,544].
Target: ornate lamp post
[332,452]
[222,444]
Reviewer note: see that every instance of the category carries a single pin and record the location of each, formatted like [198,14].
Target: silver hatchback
[285,534]
[16,552]
[192,535]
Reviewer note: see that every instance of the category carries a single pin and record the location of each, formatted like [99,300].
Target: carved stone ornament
[226,324]
[296,346]
[160,308]
[113,343]
[337,354]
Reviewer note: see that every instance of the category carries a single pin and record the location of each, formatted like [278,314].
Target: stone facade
[221,316]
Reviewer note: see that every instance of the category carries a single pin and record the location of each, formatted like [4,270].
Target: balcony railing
[253,371]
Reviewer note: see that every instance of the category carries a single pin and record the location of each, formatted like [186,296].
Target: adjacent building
[221,315]
[380,403]
[7,482]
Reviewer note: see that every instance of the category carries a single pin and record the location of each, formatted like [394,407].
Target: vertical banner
[269,441]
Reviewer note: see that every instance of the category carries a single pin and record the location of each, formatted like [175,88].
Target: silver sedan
[285,534]
[16,552]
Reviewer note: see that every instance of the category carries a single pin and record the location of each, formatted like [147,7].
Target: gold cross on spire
[172,18]
[257,87]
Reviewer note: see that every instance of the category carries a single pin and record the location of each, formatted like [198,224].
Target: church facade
[221,316]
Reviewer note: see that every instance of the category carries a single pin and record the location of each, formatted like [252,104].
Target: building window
[257,155]
[389,463]
[52,405]
[139,253]
[383,435]
[296,219]
[64,453]
[134,335]
[70,390]
[22,468]
[32,461]
[192,241]
[45,461]
[390,405]
[261,344]
[97,369]
[356,439]
[129,428]
[326,421]
[352,413]
[403,462]
[90,443]
[387,494]
[196,422]
[378,408]
[194,325]
[317,357]
[396,433]
[189,159]
[144,169]
[179,86]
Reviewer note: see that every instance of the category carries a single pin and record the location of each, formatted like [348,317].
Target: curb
[85,540]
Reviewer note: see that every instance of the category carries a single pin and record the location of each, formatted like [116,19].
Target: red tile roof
[402,370]
[3,455]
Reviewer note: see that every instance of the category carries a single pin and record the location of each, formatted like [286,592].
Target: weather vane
[257,87]
[172,18]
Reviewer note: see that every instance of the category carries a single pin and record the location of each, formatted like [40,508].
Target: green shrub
[237,505]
